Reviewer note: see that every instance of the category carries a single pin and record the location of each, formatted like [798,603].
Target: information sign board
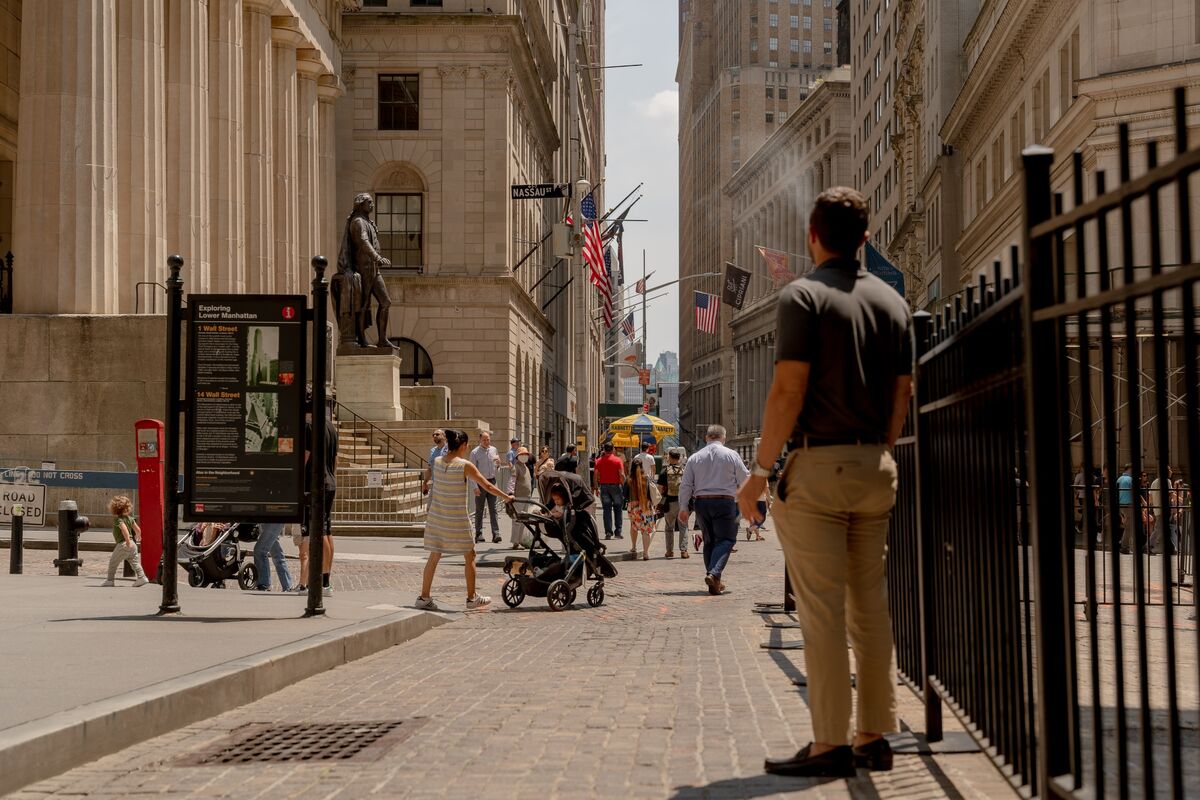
[30,496]
[538,191]
[244,395]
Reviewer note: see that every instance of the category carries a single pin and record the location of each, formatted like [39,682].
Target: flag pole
[645,333]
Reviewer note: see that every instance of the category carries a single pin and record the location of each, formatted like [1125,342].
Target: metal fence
[1071,661]
[379,497]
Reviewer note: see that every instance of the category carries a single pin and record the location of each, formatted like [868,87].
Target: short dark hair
[608,447]
[645,445]
[570,448]
[839,219]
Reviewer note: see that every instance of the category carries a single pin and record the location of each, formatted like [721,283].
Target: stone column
[258,162]
[329,89]
[309,186]
[141,152]
[226,109]
[65,215]
[285,38]
[187,139]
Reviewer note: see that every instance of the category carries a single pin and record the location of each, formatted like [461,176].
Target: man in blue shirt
[1125,500]
[711,479]
[487,461]
[438,450]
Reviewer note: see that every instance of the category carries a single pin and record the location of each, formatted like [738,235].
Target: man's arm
[686,487]
[784,403]
[901,402]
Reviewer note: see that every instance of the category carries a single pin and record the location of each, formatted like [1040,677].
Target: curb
[46,747]
[43,544]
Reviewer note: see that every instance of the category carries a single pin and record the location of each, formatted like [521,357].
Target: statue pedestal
[369,385]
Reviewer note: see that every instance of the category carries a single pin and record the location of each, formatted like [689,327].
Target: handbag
[655,494]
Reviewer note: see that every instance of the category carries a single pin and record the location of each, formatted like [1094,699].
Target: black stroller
[546,573]
[221,559]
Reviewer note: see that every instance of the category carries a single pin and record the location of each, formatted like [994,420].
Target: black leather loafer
[835,763]
[876,755]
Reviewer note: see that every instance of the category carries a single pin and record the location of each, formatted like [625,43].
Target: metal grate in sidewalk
[267,743]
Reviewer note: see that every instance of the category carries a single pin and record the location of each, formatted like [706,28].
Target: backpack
[674,478]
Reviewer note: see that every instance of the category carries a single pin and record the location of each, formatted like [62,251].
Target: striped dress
[447,527]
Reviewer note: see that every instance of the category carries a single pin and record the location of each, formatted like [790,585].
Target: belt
[713,497]
[814,441]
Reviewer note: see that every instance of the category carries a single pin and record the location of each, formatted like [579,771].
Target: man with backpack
[669,480]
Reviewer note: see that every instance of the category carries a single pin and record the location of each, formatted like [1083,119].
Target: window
[754,20]
[770,92]
[807,46]
[795,22]
[773,20]
[808,23]
[772,43]
[783,93]
[828,48]
[399,103]
[827,24]
[426,3]
[770,118]
[754,45]
[794,45]
[782,117]
[399,220]
[735,166]
[416,368]
[735,92]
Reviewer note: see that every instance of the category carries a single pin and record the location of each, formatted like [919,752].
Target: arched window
[416,368]
[400,216]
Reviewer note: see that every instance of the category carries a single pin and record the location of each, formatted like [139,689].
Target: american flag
[640,286]
[706,312]
[606,293]
[628,328]
[593,249]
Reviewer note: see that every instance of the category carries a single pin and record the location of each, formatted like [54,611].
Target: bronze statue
[359,279]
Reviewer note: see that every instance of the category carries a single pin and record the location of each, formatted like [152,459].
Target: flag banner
[627,328]
[737,281]
[879,266]
[777,266]
[621,257]
[606,293]
[630,354]
[640,286]
[593,249]
[706,312]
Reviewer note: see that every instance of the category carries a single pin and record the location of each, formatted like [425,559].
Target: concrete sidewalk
[77,655]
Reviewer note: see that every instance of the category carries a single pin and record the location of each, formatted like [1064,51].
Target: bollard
[16,544]
[70,525]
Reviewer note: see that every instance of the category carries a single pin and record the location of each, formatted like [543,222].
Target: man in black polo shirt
[843,380]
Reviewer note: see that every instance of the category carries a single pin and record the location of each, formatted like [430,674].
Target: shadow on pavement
[152,617]
[756,786]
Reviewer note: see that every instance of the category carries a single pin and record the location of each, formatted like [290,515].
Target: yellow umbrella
[636,425]
[626,440]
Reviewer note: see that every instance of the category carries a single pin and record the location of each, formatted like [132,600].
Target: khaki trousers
[832,521]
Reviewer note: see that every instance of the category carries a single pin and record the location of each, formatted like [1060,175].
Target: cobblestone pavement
[663,691]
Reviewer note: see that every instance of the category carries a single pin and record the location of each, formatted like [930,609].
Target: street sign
[644,377]
[538,191]
[244,434]
[30,496]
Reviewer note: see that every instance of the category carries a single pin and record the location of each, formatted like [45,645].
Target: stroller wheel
[595,595]
[195,576]
[571,599]
[513,594]
[558,595]
[248,577]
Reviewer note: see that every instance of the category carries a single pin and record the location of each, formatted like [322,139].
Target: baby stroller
[221,559]
[546,573]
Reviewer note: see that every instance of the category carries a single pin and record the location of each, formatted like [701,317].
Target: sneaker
[426,604]
[108,583]
[608,536]
[479,537]
[496,538]
[327,591]
[301,590]
[478,601]
[670,554]
[684,553]
[140,582]
[618,535]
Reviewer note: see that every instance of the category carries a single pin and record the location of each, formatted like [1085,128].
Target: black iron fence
[6,283]
[1063,632]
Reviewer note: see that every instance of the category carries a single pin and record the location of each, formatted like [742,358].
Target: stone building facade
[484,102]
[236,132]
[771,196]
[744,67]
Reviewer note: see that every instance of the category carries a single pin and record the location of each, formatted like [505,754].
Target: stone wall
[73,387]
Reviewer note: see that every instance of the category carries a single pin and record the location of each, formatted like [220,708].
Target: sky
[641,142]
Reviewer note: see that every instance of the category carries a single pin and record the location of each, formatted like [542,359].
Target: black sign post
[172,410]
[540,191]
[316,465]
[244,429]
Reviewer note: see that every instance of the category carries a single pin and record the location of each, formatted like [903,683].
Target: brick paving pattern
[662,692]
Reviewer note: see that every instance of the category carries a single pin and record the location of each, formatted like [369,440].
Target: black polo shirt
[856,333]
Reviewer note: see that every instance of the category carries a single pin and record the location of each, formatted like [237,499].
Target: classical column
[187,139]
[285,38]
[258,163]
[329,89]
[65,215]
[309,185]
[227,199]
[141,152]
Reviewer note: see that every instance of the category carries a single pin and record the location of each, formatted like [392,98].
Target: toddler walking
[127,535]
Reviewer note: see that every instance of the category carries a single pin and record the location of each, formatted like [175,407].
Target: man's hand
[683,517]
[424,487]
[747,498]
[477,491]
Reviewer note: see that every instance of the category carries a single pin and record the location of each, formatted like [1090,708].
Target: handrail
[395,450]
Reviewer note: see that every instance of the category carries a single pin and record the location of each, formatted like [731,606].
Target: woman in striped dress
[447,528]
